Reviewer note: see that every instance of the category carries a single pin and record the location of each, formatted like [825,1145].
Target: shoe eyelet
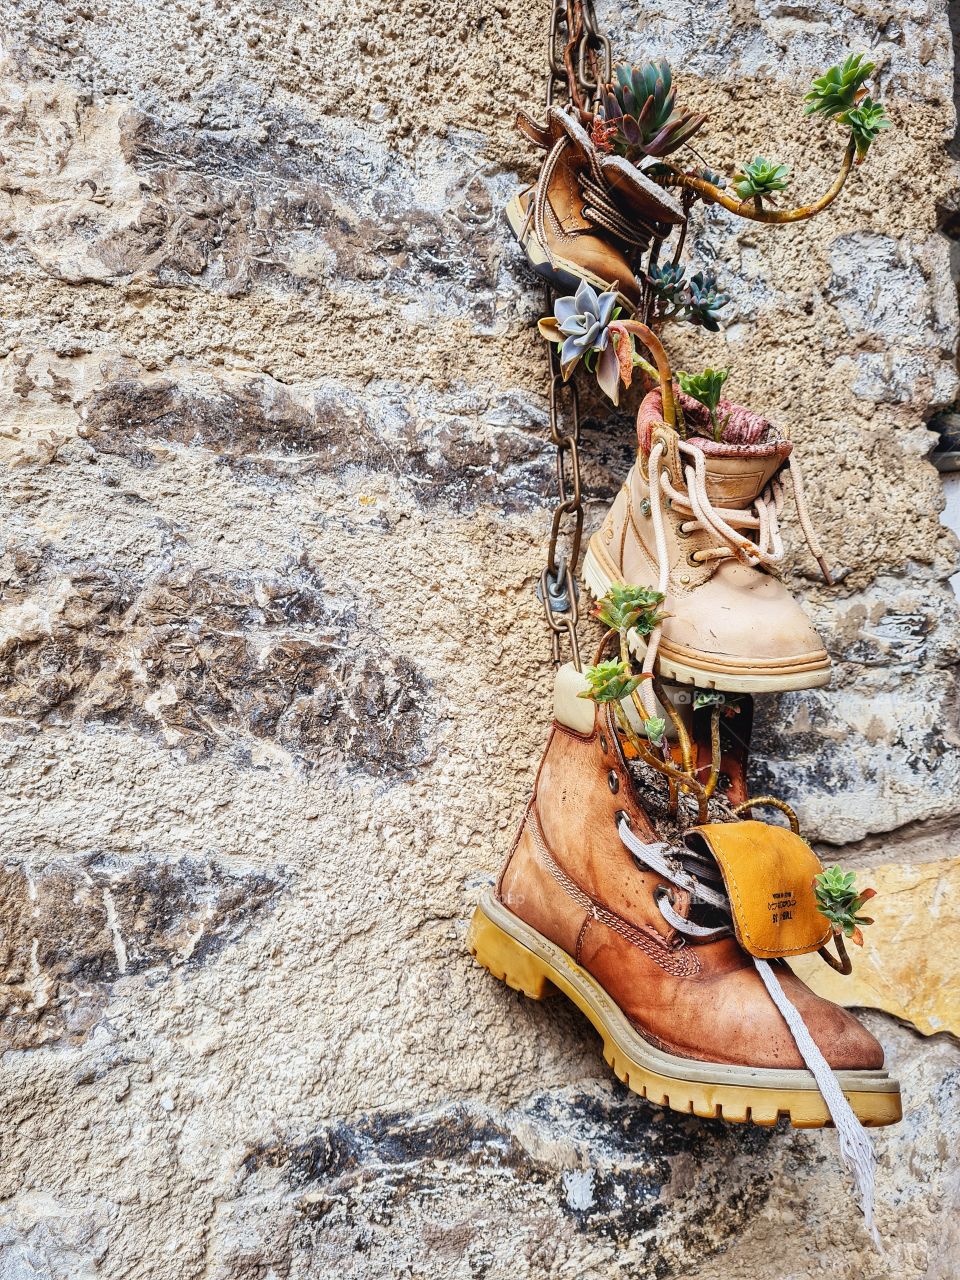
[693,561]
[603,742]
[613,781]
[622,816]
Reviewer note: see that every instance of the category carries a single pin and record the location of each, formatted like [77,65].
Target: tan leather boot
[588,213]
[685,1014]
[698,520]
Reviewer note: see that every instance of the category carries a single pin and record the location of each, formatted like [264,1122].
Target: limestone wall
[274,682]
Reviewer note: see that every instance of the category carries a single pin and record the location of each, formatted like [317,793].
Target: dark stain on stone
[597,1162]
[72,927]
[209,662]
[459,453]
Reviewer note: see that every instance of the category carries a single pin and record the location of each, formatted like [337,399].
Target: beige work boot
[697,520]
[588,214]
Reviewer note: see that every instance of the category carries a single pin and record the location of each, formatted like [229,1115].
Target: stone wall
[274,682]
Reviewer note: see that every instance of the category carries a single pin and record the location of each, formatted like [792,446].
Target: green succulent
[609,681]
[627,608]
[696,300]
[704,301]
[639,111]
[760,179]
[706,388]
[655,728]
[839,900]
[838,89]
[667,283]
[865,121]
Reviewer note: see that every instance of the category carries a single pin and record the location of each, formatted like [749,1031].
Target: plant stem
[663,372]
[712,780]
[747,209]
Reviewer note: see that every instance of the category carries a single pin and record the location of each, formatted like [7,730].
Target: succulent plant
[655,727]
[705,300]
[630,609]
[639,110]
[706,388]
[839,900]
[696,300]
[760,179]
[610,681]
[584,326]
[839,89]
[865,121]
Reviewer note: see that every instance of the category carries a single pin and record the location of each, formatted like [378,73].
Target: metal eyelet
[622,816]
[613,781]
[693,561]
[603,742]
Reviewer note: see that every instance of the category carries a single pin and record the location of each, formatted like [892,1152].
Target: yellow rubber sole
[599,576]
[530,963]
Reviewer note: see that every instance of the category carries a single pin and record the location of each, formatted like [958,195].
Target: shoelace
[599,206]
[724,523]
[700,877]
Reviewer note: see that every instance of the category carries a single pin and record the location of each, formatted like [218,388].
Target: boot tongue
[741,465]
[737,474]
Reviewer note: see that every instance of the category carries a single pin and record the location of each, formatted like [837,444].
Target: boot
[591,903]
[588,214]
[698,521]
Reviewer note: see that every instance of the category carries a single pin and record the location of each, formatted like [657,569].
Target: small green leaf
[708,698]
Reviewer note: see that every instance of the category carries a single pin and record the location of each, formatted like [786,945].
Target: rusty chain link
[579,58]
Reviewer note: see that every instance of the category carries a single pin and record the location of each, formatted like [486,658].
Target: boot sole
[527,961]
[560,273]
[728,676]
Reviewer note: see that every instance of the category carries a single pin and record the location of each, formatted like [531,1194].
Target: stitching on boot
[682,964]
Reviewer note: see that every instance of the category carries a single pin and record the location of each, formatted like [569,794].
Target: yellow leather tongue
[768,873]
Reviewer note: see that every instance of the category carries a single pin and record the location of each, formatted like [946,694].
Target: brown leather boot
[588,213]
[697,520]
[686,1015]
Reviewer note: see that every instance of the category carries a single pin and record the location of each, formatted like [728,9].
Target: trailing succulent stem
[633,610]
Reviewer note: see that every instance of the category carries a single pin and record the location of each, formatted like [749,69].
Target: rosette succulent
[628,608]
[839,900]
[838,89]
[761,179]
[840,93]
[584,325]
[865,121]
[639,113]
[696,300]
[610,681]
[704,301]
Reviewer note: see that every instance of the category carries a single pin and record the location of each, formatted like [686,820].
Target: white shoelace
[724,523]
[690,871]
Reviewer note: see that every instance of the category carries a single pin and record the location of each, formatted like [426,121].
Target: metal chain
[579,58]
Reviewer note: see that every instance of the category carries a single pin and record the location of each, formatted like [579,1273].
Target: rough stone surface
[273,683]
[900,971]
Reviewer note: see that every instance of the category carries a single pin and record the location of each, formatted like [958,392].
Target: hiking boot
[697,519]
[591,902]
[589,215]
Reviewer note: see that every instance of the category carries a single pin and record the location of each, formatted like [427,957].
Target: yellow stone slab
[908,965]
